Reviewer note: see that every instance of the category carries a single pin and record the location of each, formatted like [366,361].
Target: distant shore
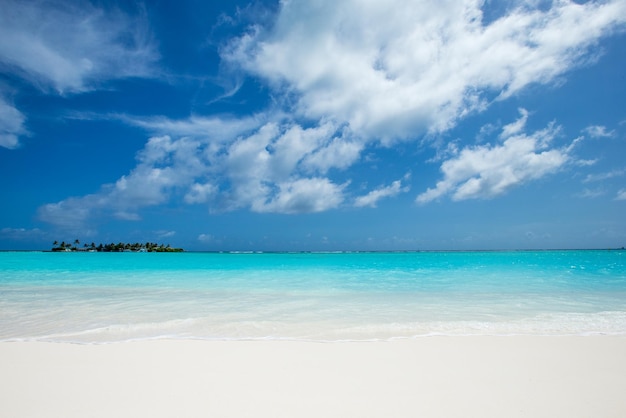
[86,249]
[137,247]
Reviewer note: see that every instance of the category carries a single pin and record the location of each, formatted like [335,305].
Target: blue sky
[300,125]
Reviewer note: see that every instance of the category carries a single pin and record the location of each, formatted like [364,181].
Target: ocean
[325,297]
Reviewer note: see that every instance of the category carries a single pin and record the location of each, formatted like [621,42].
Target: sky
[324,125]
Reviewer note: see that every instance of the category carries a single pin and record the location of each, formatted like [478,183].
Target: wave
[563,324]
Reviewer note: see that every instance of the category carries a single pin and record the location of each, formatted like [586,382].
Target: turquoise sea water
[106,297]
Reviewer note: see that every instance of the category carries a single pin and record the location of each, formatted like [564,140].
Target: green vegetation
[150,247]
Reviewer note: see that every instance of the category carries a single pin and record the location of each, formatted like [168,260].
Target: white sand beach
[425,377]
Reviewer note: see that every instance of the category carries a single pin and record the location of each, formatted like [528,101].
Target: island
[150,247]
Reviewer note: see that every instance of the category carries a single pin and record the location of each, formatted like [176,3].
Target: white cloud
[210,129]
[71,213]
[515,127]
[486,131]
[11,125]
[200,193]
[163,166]
[591,193]
[72,47]
[489,170]
[126,216]
[68,47]
[338,153]
[621,195]
[288,150]
[604,176]
[268,169]
[166,234]
[205,238]
[401,68]
[371,199]
[598,131]
[306,195]
[346,76]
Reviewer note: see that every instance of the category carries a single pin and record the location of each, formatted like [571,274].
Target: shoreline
[441,376]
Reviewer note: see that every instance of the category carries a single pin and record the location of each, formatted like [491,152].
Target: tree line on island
[150,247]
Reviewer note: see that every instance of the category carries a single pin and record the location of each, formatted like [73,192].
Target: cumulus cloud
[200,193]
[12,123]
[398,69]
[270,168]
[72,47]
[275,170]
[163,165]
[489,170]
[371,199]
[305,195]
[339,153]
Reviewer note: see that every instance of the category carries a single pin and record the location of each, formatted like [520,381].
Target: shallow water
[105,297]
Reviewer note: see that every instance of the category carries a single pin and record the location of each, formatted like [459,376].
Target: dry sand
[426,377]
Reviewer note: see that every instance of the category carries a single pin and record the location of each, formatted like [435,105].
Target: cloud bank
[354,75]
[274,167]
[398,69]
